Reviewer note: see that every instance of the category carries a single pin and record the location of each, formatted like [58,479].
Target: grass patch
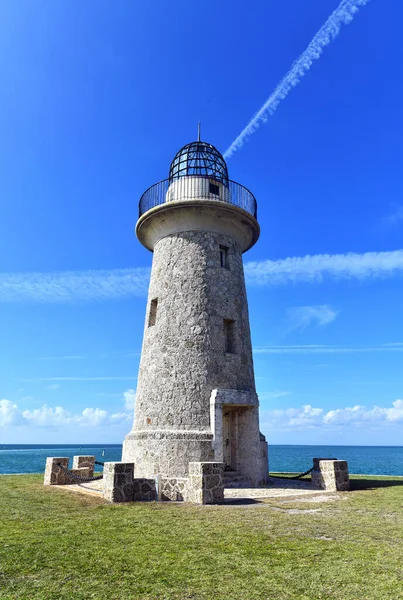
[55,544]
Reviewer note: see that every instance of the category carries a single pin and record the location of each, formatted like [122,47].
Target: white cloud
[129,399]
[324,349]
[300,317]
[118,284]
[57,416]
[47,416]
[121,417]
[316,268]
[92,417]
[395,413]
[307,417]
[359,414]
[9,413]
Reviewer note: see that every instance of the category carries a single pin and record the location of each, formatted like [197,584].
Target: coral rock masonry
[196,400]
[196,418]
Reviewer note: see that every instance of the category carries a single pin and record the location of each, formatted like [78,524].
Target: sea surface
[370,460]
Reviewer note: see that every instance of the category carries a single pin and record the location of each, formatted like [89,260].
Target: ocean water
[371,460]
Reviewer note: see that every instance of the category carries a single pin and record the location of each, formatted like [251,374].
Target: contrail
[343,15]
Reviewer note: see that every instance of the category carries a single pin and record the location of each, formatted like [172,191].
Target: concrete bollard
[330,474]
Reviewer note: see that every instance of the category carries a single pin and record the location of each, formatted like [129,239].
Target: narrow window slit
[229,336]
[224,257]
[152,317]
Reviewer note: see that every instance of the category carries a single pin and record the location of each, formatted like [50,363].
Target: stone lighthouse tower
[196,398]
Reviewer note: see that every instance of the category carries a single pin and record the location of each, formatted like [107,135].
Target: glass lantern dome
[199,159]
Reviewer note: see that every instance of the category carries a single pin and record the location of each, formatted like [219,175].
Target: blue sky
[96,99]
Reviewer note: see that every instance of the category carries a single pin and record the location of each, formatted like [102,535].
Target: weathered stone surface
[82,472]
[84,461]
[118,484]
[331,475]
[54,475]
[173,488]
[317,461]
[184,358]
[205,483]
[144,490]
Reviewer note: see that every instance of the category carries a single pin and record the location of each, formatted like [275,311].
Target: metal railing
[194,188]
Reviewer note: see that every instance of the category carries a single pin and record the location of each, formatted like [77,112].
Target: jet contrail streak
[343,15]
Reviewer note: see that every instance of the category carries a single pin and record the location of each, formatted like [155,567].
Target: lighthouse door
[227,439]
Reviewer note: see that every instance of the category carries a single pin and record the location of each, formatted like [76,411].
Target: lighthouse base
[234,440]
[166,452]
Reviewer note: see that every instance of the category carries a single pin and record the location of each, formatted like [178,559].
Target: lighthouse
[196,399]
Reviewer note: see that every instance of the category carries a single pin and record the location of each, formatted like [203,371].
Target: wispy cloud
[273,395]
[120,284]
[74,286]
[72,357]
[393,218]
[343,15]
[300,317]
[129,399]
[324,349]
[318,267]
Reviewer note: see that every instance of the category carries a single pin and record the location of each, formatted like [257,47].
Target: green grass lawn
[57,544]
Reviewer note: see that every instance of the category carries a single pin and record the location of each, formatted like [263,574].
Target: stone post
[54,475]
[331,475]
[118,483]
[205,485]
[84,461]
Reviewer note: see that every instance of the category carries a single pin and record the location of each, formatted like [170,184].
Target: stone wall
[184,355]
[173,489]
[83,466]
[167,452]
[203,486]
[144,490]
[80,462]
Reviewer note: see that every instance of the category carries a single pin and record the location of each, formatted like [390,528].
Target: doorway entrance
[230,423]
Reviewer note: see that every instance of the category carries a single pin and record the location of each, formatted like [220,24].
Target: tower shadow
[371,484]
